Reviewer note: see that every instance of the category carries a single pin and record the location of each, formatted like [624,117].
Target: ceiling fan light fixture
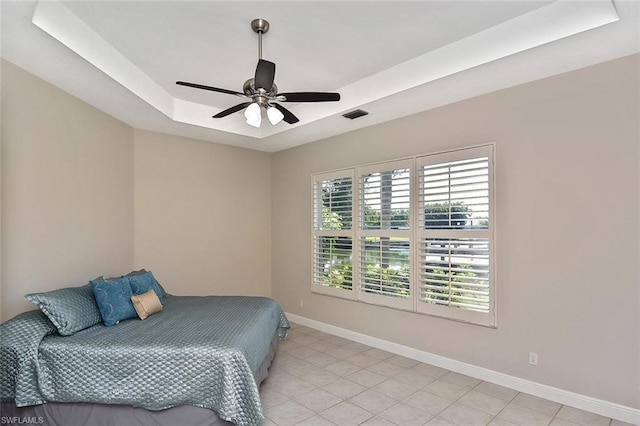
[274,115]
[261,90]
[253,114]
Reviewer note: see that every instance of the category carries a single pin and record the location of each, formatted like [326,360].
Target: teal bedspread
[202,351]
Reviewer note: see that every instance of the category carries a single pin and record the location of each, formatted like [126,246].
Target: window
[455,236]
[332,232]
[384,237]
[413,234]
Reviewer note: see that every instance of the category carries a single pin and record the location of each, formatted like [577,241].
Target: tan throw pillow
[146,304]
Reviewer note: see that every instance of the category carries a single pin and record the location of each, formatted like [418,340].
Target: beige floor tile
[295,387]
[372,401]
[320,359]
[581,417]
[524,416]
[303,329]
[497,421]
[466,416]
[386,368]
[485,403]
[320,377]
[426,401]
[403,361]
[615,422]
[304,339]
[344,388]
[316,421]
[323,346]
[319,400]
[414,378]
[367,378]
[270,397]
[358,347]
[287,345]
[395,389]
[288,413]
[362,360]
[446,390]
[378,421]
[320,335]
[346,414]
[378,353]
[560,422]
[430,370]
[496,391]
[544,406]
[461,380]
[298,367]
[342,368]
[342,352]
[338,341]
[439,421]
[405,415]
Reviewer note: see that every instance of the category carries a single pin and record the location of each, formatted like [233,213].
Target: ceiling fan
[262,92]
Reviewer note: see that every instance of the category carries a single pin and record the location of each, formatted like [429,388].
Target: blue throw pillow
[162,293]
[113,297]
[70,309]
[141,283]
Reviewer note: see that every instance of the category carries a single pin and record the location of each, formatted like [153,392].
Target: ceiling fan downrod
[260,26]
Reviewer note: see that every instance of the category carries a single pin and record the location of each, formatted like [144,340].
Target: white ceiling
[390,58]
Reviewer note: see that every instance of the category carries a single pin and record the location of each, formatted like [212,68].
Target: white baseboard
[572,399]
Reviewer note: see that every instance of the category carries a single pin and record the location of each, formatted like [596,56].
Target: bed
[200,355]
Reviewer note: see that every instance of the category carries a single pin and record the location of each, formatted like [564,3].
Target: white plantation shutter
[384,201]
[414,234]
[455,272]
[333,232]
[455,235]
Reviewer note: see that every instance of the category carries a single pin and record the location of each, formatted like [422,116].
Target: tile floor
[320,379]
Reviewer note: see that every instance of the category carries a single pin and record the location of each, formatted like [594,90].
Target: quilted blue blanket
[202,351]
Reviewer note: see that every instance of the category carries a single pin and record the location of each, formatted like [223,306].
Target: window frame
[415,234]
[464,315]
[316,233]
[361,233]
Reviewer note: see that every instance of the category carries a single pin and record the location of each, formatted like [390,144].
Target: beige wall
[215,219]
[567,230]
[202,219]
[67,190]
[203,215]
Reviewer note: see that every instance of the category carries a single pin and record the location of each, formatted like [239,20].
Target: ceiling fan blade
[231,110]
[213,89]
[310,97]
[265,73]
[288,115]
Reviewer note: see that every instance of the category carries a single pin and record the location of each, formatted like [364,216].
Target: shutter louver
[455,195]
[455,272]
[385,233]
[332,239]
[414,234]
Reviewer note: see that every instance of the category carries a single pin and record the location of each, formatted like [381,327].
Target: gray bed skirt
[85,414]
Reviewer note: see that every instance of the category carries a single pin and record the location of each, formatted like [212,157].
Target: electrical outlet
[301,303]
[533,358]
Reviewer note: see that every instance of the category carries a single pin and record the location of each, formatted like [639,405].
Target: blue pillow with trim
[142,283]
[70,309]
[162,293]
[113,297]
